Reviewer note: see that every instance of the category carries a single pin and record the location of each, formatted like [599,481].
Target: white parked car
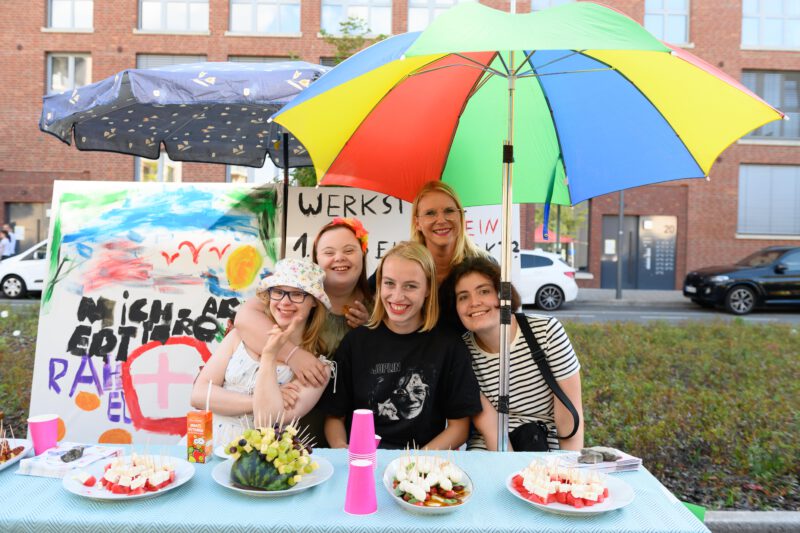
[24,272]
[546,281]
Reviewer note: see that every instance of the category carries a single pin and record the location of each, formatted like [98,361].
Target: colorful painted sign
[387,219]
[143,279]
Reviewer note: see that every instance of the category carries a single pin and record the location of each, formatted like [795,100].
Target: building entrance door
[647,255]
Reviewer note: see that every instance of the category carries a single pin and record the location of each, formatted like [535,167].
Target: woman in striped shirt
[477,284]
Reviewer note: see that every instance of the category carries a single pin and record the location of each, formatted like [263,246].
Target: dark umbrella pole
[285,211]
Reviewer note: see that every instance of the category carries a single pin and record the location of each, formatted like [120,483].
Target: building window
[269,173]
[769,200]
[668,20]
[161,169]
[538,5]
[771,23]
[30,222]
[422,12]
[376,14]
[68,71]
[257,59]
[174,15]
[782,91]
[265,16]
[70,14]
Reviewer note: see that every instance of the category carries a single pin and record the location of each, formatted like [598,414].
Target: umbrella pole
[505,268]
[285,214]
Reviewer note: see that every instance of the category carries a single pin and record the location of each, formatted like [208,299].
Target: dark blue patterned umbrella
[201,112]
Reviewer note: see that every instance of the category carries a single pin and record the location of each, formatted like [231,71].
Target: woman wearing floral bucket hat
[245,383]
[340,248]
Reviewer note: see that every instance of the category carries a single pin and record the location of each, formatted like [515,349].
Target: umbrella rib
[535,75]
[477,66]
[481,65]
[524,62]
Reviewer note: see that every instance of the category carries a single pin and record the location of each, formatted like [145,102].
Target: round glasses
[449,213]
[297,297]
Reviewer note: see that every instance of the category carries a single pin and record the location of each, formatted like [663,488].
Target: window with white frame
[269,173]
[538,5]
[67,71]
[269,17]
[769,200]
[173,15]
[668,20]
[376,14]
[771,23]
[422,12]
[161,169]
[780,89]
[70,14]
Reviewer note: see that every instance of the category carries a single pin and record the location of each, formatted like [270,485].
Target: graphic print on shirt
[407,399]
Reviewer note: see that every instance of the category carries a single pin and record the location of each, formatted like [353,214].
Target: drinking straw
[208,394]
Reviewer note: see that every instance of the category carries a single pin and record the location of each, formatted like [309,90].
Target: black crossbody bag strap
[540,358]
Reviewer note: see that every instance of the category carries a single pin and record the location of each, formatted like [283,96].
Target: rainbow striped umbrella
[567,103]
[600,105]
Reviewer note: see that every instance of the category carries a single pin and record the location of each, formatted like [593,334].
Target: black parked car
[768,277]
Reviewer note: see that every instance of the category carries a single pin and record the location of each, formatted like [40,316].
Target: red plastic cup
[362,433]
[44,432]
[361,498]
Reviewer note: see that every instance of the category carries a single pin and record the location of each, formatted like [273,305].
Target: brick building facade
[708,214]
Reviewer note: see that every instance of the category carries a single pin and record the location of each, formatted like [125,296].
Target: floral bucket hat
[300,274]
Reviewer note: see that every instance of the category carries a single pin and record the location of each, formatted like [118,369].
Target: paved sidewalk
[632,297]
[753,522]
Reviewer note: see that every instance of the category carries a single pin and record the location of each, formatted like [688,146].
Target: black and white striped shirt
[530,397]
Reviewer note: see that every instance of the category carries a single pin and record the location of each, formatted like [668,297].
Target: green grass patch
[711,407]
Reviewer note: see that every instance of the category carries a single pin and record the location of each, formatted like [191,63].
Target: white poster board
[143,279]
[386,218]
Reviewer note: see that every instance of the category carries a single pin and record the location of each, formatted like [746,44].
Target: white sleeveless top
[240,376]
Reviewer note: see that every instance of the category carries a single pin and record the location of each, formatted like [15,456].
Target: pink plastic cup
[44,432]
[360,498]
[362,433]
[377,441]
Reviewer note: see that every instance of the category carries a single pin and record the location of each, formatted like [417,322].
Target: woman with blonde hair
[412,373]
[438,223]
[245,385]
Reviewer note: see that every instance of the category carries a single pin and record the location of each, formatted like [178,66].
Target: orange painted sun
[243,266]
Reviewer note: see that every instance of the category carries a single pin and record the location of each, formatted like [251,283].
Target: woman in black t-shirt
[413,374]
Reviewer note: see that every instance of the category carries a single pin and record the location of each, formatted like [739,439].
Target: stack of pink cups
[363,441]
[361,498]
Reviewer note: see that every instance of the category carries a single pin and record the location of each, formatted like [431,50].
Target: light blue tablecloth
[41,504]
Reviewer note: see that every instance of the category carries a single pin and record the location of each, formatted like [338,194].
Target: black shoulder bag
[532,436]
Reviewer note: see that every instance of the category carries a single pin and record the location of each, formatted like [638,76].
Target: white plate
[14,443]
[388,481]
[620,494]
[183,473]
[222,475]
[220,452]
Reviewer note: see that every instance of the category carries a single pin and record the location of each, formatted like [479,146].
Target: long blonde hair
[312,340]
[416,252]
[464,245]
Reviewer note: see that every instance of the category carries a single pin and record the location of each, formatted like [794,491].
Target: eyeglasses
[297,297]
[449,213]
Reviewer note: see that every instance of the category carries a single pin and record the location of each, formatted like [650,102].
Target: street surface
[599,312]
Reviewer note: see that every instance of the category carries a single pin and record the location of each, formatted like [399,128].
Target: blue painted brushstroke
[181,209]
[84,250]
[212,283]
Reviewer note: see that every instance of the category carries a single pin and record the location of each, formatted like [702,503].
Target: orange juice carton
[199,436]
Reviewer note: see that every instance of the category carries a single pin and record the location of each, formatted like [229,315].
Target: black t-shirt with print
[413,383]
